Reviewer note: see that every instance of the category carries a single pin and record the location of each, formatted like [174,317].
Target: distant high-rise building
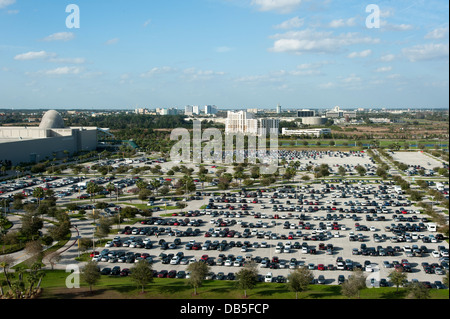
[191,110]
[196,110]
[188,110]
[338,113]
[141,111]
[246,123]
[306,113]
[210,109]
[268,126]
[278,109]
[170,111]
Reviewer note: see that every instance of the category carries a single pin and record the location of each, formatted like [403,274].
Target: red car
[163,274]
[320,267]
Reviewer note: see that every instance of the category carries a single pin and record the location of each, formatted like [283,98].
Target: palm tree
[38,193]
[5,263]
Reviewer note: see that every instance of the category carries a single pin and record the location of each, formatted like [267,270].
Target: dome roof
[52,119]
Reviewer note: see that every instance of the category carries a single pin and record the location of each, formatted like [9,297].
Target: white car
[228,263]
[268,277]
[435,254]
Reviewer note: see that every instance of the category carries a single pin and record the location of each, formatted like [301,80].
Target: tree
[144,194]
[31,224]
[34,249]
[142,274]
[38,193]
[198,271]
[354,284]
[5,263]
[141,184]
[91,189]
[341,170]
[398,277]
[247,277]
[361,170]
[417,290]
[299,280]
[90,274]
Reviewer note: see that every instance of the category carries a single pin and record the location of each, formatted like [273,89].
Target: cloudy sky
[231,53]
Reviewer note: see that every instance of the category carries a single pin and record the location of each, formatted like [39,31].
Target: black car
[231,276]
[280,279]
[106,271]
[384,283]
[115,271]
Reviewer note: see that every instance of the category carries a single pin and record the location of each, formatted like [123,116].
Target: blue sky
[230,53]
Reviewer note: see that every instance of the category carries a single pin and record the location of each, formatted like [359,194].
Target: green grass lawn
[124,288]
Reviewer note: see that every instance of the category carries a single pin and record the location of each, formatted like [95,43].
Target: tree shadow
[173,287]
[401,294]
[327,292]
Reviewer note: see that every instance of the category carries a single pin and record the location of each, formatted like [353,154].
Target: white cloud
[293,23]
[282,6]
[63,71]
[424,52]
[192,74]
[112,41]
[439,33]
[5,3]
[327,85]
[33,55]
[223,49]
[385,26]
[361,54]
[68,60]
[48,57]
[384,69]
[352,78]
[339,23]
[387,58]
[316,42]
[60,36]
[146,23]
[158,70]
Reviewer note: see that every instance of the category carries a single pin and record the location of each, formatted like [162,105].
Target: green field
[124,288]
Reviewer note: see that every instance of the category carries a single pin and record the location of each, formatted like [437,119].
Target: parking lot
[331,228]
[416,159]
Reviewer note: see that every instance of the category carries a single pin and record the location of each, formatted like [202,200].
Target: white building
[278,109]
[51,139]
[210,109]
[241,122]
[309,132]
[246,123]
[191,110]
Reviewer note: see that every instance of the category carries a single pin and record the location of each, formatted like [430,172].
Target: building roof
[52,120]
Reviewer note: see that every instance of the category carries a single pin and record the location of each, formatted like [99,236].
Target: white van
[432,227]
[268,277]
